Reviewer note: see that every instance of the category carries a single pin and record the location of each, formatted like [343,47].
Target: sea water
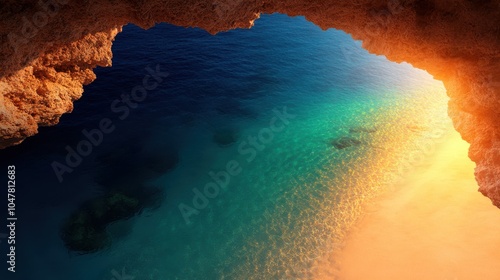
[295,194]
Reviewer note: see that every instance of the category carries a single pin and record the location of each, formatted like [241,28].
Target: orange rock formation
[48,49]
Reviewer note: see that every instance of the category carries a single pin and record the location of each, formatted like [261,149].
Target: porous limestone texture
[49,48]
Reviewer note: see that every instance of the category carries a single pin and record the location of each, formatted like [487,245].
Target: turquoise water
[295,194]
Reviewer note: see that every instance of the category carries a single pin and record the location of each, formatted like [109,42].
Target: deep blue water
[220,90]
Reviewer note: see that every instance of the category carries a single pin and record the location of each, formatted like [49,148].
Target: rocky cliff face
[48,49]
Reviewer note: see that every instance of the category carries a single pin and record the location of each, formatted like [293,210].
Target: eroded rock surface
[49,48]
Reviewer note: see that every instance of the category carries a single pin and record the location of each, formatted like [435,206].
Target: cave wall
[49,48]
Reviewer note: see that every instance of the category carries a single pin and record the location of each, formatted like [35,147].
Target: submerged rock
[225,137]
[85,230]
[80,235]
[345,142]
[122,178]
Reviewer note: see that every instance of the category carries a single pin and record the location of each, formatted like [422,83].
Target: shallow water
[427,228]
[296,194]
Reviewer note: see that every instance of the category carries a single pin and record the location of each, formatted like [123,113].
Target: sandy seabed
[436,225]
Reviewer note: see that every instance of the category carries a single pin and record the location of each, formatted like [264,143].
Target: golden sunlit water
[435,226]
[363,177]
[308,226]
